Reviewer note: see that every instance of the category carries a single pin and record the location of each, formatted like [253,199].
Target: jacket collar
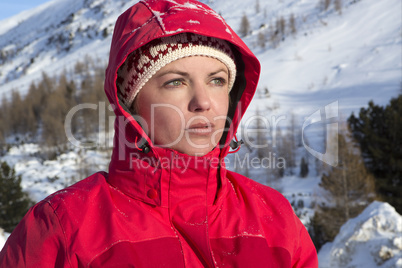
[155,177]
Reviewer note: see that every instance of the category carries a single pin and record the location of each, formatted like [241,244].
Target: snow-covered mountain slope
[355,58]
[352,57]
[53,37]
[372,239]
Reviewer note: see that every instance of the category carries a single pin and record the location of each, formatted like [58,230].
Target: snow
[3,237]
[347,59]
[355,58]
[372,239]
[193,21]
[43,177]
[352,58]
[39,42]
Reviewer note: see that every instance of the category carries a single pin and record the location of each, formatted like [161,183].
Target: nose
[200,100]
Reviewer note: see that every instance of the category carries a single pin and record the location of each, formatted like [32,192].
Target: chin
[190,150]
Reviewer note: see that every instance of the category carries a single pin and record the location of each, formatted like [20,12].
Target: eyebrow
[218,71]
[174,71]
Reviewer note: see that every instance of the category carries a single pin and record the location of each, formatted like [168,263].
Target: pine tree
[350,187]
[14,203]
[303,168]
[379,133]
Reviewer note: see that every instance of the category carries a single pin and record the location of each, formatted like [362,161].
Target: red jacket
[163,208]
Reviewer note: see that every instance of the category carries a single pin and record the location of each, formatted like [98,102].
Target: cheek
[166,115]
[222,105]
[221,111]
[164,123]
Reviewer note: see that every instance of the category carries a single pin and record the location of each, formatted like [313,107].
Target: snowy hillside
[352,57]
[373,239]
[43,177]
[53,37]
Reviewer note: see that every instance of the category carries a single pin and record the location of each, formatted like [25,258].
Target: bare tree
[17,111]
[266,92]
[262,39]
[261,137]
[292,140]
[281,27]
[338,6]
[292,24]
[53,119]
[274,37]
[5,118]
[257,7]
[244,26]
[324,4]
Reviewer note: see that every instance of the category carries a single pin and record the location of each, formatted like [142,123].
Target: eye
[219,82]
[174,83]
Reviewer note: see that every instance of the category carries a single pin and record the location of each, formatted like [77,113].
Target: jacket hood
[152,19]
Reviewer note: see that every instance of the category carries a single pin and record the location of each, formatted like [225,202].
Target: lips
[200,128]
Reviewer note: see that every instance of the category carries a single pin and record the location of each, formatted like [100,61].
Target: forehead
[194,64]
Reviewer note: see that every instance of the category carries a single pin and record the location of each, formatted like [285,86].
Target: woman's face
[185,104]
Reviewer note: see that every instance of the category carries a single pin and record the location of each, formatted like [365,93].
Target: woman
[180,79]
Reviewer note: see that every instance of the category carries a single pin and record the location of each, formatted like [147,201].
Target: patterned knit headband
[144,62]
